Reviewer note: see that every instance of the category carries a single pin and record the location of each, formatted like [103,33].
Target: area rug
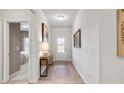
[62,71]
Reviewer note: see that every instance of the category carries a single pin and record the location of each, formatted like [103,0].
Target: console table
[44,66]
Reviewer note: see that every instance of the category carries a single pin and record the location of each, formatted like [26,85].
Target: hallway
[62,72]
[56,46]
[90,38]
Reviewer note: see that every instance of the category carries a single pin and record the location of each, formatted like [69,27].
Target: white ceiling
[69,16]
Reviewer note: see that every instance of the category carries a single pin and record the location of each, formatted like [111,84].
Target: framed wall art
[44,33]
[120,32]
[77,39]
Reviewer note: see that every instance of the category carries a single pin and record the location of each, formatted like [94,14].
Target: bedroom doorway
[19,51]
[17,67]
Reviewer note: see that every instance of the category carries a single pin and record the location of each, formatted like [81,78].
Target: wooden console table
[44,66]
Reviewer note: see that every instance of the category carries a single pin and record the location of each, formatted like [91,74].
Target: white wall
[97,60]
[86,58]
[61,33]
[17,15]
[44,20]
[39,19]
[111,66]
[1,46]
[35,20]
[23,15]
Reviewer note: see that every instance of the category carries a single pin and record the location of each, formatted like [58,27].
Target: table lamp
[45,48]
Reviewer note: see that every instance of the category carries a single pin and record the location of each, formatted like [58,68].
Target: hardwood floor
[61,73]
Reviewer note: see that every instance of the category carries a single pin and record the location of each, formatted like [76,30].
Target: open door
[14,48]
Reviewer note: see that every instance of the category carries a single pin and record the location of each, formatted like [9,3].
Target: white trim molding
[82,77]
[1,56]
[6,52]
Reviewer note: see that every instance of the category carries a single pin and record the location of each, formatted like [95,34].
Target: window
[61,48]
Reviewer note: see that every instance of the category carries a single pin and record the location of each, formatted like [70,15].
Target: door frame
[1,46]
[6,50]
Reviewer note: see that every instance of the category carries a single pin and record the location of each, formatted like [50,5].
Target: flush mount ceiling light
[60,17]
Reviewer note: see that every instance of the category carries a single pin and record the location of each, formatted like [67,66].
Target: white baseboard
[33,81]
[85,81]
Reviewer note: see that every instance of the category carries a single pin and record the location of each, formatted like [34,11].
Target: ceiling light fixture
[60,17]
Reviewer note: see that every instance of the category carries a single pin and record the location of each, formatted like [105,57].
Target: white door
[61,44]
[60,49]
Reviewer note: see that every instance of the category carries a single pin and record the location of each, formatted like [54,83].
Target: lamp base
[45,54]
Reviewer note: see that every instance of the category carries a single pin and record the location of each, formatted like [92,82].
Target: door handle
[18,48]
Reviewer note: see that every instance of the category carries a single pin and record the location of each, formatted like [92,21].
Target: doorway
[61,44]
[17,67]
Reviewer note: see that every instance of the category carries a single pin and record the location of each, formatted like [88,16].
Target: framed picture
[120,32]
[77,39]
[44,33]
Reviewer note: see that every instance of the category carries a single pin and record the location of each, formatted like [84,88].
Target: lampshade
[44,46]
